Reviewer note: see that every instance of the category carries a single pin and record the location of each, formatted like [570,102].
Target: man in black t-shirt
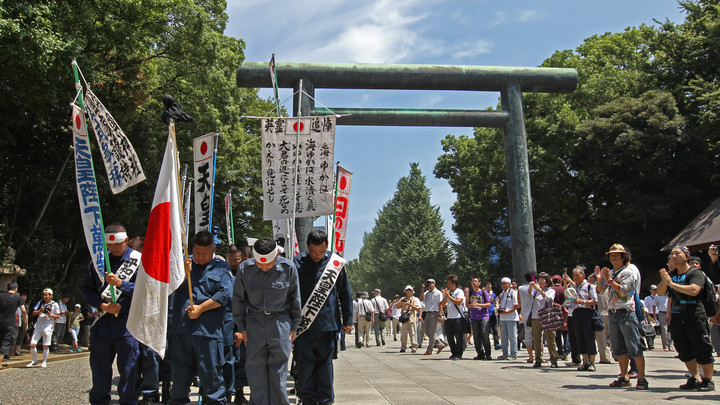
[688,320]
[9,303]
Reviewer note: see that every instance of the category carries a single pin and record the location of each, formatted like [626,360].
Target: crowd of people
[255,311]
[578,317]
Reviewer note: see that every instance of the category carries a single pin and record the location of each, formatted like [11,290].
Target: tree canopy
[131,53]
[407,243]
[628,157]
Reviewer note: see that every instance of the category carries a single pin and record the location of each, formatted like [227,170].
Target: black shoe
[306,401]
[537,364]
[691,384]
[488,357]
[553,364]
[478,358]
[240,398]
[706,385]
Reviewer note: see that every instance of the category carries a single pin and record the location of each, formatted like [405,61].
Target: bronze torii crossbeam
[511,82]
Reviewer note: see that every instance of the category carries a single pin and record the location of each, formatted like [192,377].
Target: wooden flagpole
[171,128]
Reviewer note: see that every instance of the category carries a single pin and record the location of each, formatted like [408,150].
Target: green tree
[407,243]
[131,53]
[617,72]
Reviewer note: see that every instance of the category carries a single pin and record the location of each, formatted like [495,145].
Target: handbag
[404,316]
[551,318]
[648,330]
[465,323]
[597,321]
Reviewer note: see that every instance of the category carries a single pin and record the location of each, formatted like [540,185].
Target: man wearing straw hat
[197,324]
[266,310]
[109,336]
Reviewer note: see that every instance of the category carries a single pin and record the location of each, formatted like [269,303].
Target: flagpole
[297,165]
[212,187]
[274,83]
[171,128]
[108,269]
[337,182]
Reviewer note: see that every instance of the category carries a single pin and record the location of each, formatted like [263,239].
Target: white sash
[320,293]
[125,272]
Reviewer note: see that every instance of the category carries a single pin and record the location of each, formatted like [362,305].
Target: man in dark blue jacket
[109,336]
[197,329]
[314,349]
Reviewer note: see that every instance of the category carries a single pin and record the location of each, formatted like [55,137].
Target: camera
[714,248]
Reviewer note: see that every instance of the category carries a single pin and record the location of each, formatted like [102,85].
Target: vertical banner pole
[212,188]
[332,238]
[291,246]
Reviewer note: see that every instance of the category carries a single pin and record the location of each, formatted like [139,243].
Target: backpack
[708,297]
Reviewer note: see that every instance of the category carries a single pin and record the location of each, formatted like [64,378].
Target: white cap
[409,287]
[49,291]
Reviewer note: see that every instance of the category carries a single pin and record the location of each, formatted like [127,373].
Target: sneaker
[79,350]
[633,374]
[413,350]
[574,364]
[32,364]
[72,350]
[553,364]
[478,358]
[591,367]
[513,358]
[502,357]
[488,357]
[691,384]
[43,365]
[440,349]
[428,353]
[706,385]
[402,350]
[620,382]
[537,364]
[584,367]
[642,384]
[453,358]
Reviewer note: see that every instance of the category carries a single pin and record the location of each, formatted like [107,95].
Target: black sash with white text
[320,293]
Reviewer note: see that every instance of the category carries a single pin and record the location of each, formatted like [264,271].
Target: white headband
[266,258]
[117,237]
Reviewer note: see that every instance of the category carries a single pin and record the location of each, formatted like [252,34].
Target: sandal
[620,382]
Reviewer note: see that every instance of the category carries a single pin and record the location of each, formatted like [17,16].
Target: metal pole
[303,104]
[518,183]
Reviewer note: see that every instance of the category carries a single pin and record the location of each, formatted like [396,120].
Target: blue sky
[447,32]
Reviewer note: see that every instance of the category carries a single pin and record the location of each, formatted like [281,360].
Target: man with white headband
[197,329]
[266,309]
[109,336]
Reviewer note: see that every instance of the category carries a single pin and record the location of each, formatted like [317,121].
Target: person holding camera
[455,302]
[47,312]
[411,304]
[508,306]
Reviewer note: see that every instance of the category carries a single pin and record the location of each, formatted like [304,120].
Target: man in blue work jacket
[197,330]
[266,309]
[315,347]
[109,336]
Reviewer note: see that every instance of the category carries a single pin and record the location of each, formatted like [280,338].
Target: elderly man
[625,339]
[432,299]
[688,320]
[409,303]
[508,306]
[316,346]
[266,310]
[380,306]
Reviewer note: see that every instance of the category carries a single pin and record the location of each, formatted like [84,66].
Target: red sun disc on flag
[336,263]
[295,126]
[158,242]
[78,122]
[263,260]
[343,182]
[203,148]
[112,238]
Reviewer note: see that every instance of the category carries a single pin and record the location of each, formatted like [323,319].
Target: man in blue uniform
[197,330]
[315,347]
[266,309]
[109,335]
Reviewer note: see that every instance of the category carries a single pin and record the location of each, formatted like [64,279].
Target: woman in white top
[543,297]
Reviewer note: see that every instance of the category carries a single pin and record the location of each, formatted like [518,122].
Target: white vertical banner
[315,152]
[87,192]
[344,181]
[121,162]
[203,153]
[281,229]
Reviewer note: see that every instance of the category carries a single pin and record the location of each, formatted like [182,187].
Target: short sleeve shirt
[685,306]
[453,308]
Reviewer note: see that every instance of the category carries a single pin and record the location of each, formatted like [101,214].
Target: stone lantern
[9,271]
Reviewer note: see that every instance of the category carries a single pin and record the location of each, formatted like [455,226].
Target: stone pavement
[382,375]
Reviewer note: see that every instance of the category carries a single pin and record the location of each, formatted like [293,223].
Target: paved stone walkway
[382,375]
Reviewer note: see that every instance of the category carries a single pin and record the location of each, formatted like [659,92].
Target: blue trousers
[229,370]
[268,350]
[314,355]
[240,373]
[206,357]
[102,355]
[148,364]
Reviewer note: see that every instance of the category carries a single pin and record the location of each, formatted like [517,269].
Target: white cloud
[531,15]
[471,50]
[517,16]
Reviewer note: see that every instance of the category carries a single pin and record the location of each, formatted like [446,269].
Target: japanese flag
[162,269]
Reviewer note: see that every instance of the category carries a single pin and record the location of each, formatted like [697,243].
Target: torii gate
[511,82]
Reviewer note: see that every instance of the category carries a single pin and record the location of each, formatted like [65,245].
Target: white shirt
[432,300]
[396,310]
[380,304]
[661,303]
[650,305]
[452,308]
[539,302]
[525,300]
[63,309]
[44,321]
[508,300]
[364,306]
